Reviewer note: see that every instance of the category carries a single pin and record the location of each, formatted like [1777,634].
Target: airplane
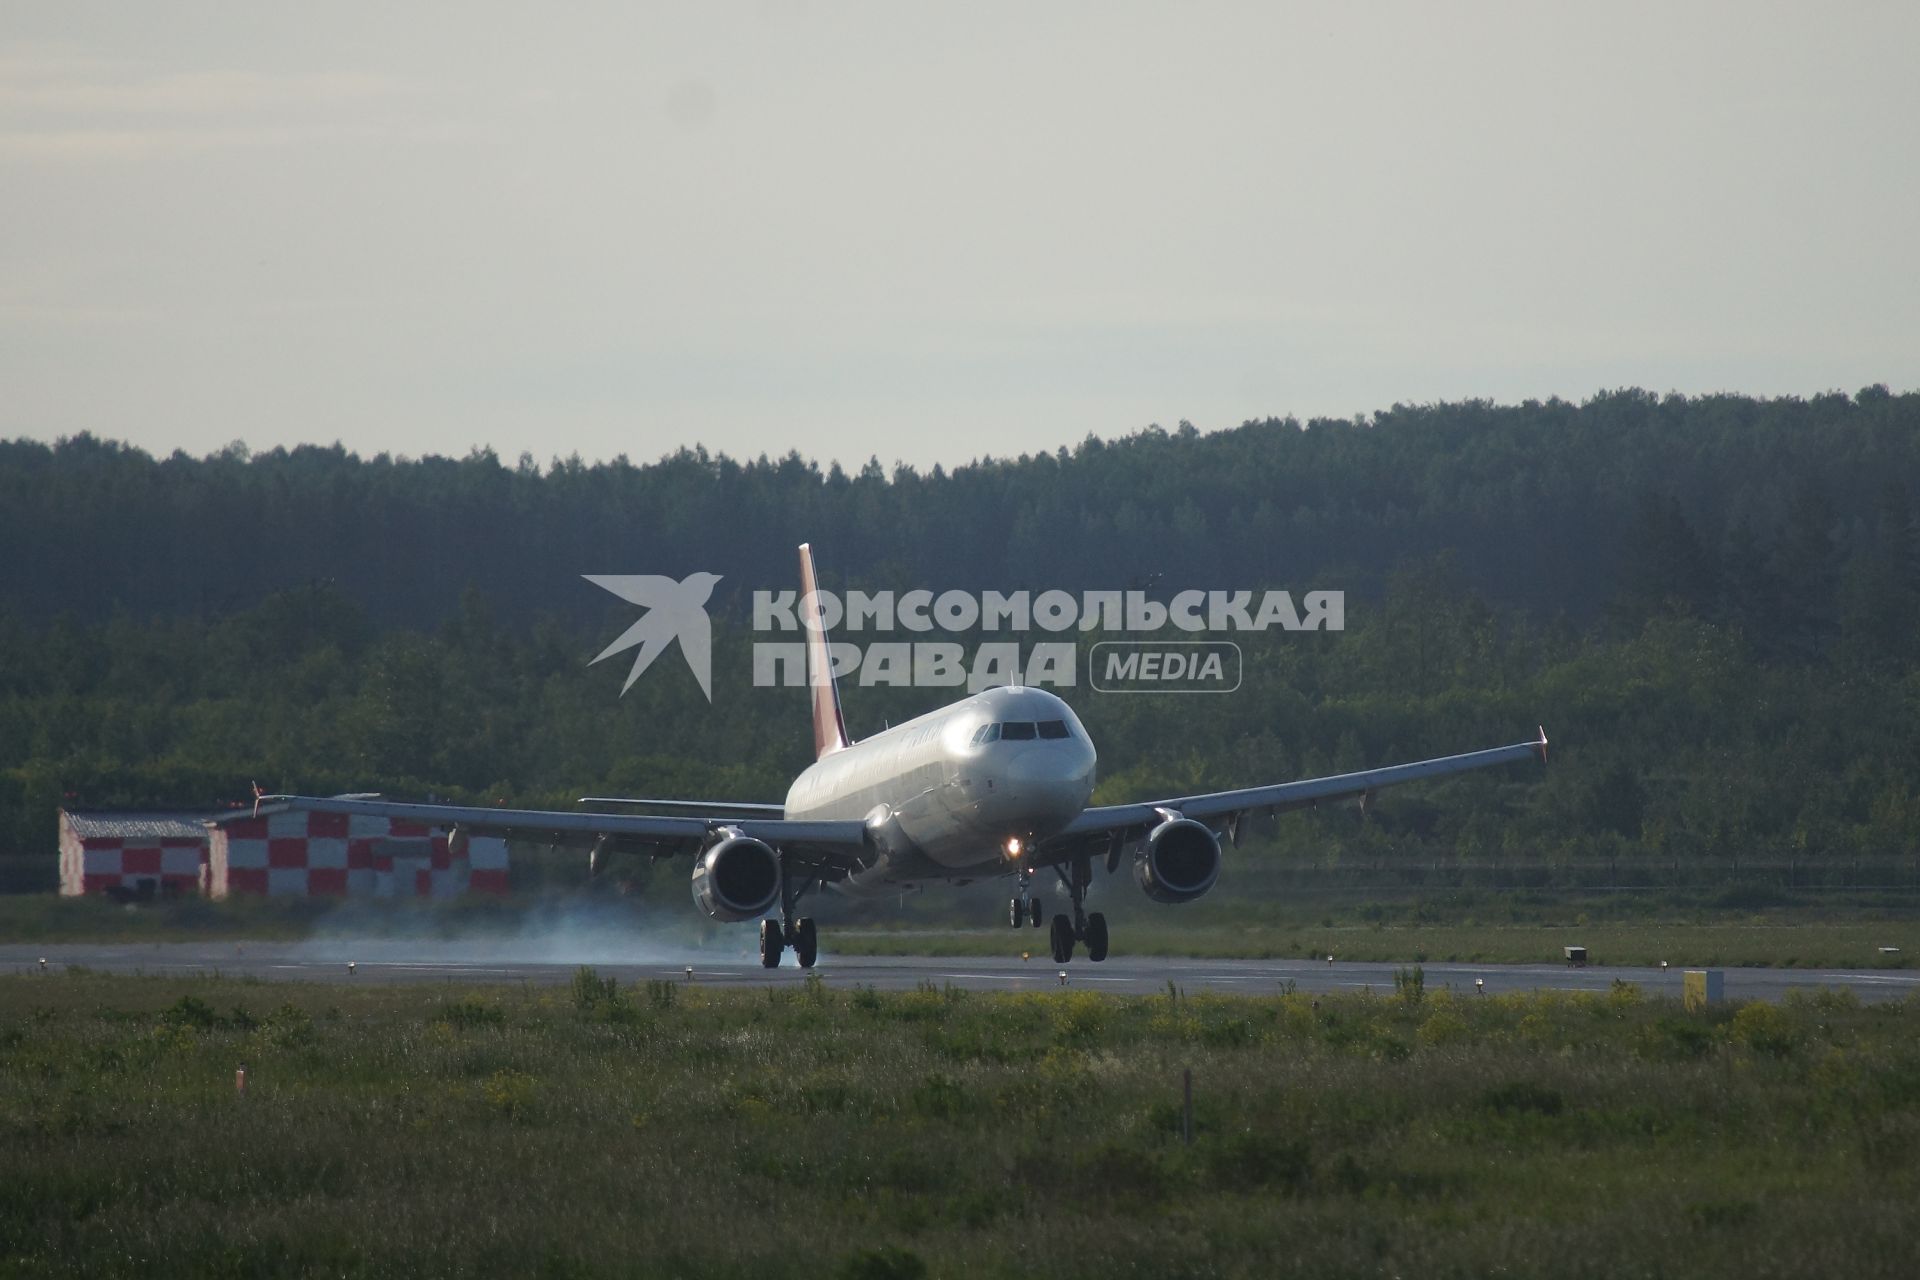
[996,784]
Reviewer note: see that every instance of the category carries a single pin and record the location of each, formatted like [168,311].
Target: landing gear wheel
[771,944]
[1096,937]
[806,943]
[1062,939]
[1016,912]
[1034,912]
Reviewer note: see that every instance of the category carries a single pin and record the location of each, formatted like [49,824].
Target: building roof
[137,826]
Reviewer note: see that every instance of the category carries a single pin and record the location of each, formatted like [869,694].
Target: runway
[387,962]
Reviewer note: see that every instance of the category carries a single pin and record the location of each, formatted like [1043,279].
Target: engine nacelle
[737,878]
[1179,861]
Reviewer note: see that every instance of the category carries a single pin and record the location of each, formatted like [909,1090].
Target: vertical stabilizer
[829,726]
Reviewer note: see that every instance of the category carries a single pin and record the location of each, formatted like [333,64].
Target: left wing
[829,848]
[1232,806]
[740,808]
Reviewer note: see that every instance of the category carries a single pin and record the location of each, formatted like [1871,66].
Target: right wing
[830,849]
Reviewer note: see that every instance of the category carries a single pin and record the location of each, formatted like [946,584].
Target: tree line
[1710,602]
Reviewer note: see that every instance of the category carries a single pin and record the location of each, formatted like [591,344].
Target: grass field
[1486,928]
[679,1130]
[1816,945]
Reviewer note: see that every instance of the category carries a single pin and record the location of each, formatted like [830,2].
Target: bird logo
[674,611]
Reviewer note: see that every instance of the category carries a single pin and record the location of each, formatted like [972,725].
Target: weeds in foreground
[594,1128]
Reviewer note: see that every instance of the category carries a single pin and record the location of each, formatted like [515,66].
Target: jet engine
[1179,861]
[736,878]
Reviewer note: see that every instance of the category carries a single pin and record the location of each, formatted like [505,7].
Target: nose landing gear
[1024,909]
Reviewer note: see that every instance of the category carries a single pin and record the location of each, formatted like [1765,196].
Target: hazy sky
[931,232]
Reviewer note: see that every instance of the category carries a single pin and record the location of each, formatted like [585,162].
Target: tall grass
[677,1129]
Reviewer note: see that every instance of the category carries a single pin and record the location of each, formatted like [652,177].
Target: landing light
[1014,846]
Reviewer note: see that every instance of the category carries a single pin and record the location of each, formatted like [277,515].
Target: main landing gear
[1080,926]
[1024,909]
[777,935]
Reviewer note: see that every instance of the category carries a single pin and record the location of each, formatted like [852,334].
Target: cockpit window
[1054,729]
[1021,730]
[985,733]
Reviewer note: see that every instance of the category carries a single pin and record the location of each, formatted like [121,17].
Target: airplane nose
[1042,768]
[1049,785]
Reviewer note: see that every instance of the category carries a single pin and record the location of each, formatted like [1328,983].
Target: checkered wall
[296,854]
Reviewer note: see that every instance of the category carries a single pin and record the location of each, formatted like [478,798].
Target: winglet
[1540,744]
[829,726]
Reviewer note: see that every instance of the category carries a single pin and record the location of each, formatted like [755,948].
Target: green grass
[1818,946]
[676,1129]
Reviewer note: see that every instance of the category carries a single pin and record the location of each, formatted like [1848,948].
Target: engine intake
[1179,862]
[737,878]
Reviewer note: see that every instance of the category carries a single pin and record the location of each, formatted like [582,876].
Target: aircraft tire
[771,944]
[1062,939]
[1016,912]
[806,942]
[1096,937]
[1035,912]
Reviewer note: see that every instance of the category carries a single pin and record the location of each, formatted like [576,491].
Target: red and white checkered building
[298,854]
[282,854]
[144,854]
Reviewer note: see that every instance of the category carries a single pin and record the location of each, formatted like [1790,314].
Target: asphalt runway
[389,962]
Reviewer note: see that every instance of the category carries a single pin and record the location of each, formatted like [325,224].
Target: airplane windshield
[1054,729]
[985,733]
[1017,729]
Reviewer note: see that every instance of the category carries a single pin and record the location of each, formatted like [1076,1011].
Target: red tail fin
[829,726]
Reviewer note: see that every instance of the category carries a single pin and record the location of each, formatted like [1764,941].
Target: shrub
[1764,1028]
[1523,1097]
[509,1092]
[190,1013]
[287,1027]
[1243,1160]
[468,1014]
[590,990]
[883,1263]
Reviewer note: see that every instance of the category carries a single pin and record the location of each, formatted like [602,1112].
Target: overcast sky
[932,232]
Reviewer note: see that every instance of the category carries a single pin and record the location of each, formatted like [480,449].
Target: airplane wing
[1230,806]
[740,808]
[830,849]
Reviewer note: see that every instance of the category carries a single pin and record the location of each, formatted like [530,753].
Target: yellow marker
[1702,987]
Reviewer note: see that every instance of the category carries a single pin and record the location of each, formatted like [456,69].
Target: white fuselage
[944,794]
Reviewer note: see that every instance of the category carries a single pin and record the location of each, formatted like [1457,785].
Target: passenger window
[1021,730]
[1054,729]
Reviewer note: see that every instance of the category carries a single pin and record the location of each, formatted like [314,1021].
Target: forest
[1710,602]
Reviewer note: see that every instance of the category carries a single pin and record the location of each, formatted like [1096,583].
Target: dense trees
[1710,601]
